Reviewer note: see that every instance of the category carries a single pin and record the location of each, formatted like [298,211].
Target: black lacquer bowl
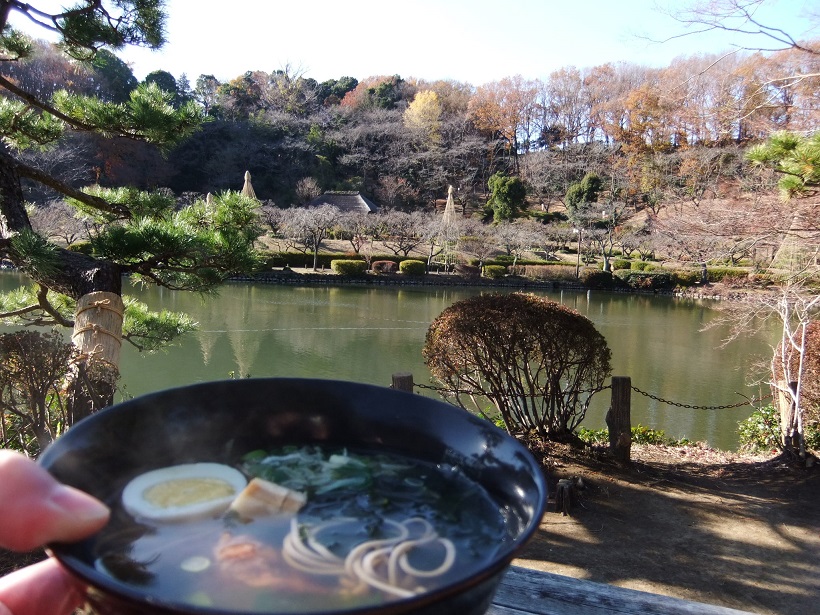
[220,421]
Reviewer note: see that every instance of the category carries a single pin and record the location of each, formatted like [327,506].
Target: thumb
[41,588]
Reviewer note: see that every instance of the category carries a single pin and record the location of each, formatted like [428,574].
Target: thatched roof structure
[346,201]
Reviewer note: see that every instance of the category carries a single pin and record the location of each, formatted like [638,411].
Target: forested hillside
[653,136]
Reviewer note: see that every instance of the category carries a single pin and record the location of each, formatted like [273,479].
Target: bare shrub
[536,361]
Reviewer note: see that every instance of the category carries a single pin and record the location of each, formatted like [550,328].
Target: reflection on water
[367,334]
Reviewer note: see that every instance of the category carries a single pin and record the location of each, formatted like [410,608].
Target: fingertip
[79,514]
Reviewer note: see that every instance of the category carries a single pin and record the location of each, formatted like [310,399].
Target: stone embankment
[307,276]
[301,277]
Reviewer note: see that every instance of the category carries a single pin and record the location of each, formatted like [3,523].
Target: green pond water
[367,334]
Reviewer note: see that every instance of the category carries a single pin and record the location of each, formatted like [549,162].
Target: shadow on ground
[741,535]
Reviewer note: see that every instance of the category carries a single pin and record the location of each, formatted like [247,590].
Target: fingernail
[81,506]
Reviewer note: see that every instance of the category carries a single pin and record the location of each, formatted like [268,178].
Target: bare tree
[478,240]
[311,226]
[748,30]
[307,189]
[58,221]
[723,232]
[518,237]
[402,231]
[288,91]
[739,17]
[358,228]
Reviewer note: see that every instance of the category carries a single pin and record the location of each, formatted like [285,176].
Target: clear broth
[230,563]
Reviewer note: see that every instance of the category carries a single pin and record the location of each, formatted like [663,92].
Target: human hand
[36,509]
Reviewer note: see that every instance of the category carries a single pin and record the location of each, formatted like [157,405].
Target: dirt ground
[691,523]
[688,522]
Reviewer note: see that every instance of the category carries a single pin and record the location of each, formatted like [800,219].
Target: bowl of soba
[282,496]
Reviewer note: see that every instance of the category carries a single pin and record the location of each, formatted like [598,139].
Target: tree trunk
[788,415]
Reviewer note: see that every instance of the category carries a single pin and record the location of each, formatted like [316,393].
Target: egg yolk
[186,491]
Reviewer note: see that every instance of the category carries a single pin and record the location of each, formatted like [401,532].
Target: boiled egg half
[183,492]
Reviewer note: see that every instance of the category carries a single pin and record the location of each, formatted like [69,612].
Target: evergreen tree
[135,233]
[583,192]
[508,196]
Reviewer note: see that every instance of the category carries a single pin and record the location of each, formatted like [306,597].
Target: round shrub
[512,349]
[348,267]
[641,266]
[621,263]
[384,267]
[494,271]
[413,267]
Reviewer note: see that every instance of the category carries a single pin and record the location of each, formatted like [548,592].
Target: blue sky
[476,41]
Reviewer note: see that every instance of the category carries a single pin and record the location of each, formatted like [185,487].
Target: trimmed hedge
[274,260]
[564,273]
[413,267]
[82,247]
[687,277]
[724,274]
[467,270]
[640,280]
[620,263]
[494,272]
[595,278]
[384,267]
[348,267]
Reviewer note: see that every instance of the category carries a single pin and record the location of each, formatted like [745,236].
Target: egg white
[134,501]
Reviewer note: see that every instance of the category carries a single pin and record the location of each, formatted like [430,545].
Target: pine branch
[63,188]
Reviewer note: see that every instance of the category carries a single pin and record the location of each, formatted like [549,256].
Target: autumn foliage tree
[423,116]
[537,362]
[506,109]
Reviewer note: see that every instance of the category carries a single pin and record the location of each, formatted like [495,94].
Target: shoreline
[306,276]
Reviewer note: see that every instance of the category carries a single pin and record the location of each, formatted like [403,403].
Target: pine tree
[135,233]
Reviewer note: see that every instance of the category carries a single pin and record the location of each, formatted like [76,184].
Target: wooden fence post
[618,418]
[403,381]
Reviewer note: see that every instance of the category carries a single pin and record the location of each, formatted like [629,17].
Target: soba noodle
[382,563]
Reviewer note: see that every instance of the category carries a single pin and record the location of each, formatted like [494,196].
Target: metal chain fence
[745,402]
[468,392]
[695,407]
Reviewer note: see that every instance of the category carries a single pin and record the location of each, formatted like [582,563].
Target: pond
[366,334]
